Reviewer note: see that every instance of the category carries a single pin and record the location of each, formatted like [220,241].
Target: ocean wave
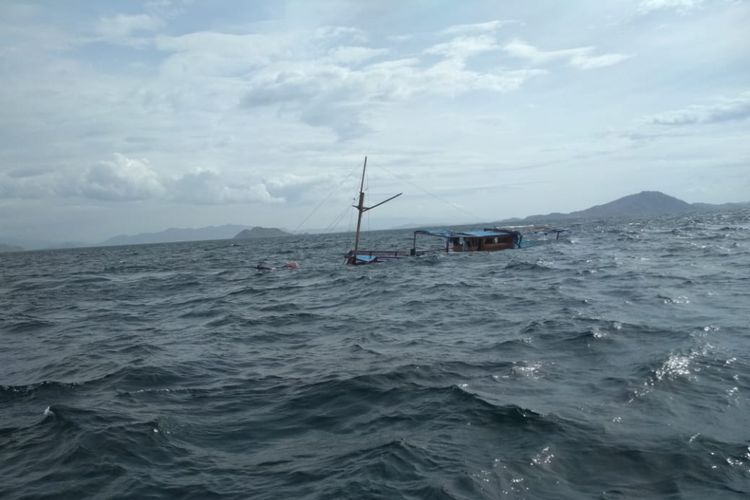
[8,393]
[537,266]
[613,367]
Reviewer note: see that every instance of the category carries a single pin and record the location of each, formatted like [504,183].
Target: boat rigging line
[324,200]
[337,220]
[447,202]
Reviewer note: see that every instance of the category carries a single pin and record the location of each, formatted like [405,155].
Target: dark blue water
[614,364]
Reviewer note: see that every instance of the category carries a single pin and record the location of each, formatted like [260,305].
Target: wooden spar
[361,208]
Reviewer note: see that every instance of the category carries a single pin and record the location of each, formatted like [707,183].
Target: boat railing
[530,230]
[381,254]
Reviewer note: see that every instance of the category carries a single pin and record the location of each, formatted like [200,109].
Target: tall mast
[360,208]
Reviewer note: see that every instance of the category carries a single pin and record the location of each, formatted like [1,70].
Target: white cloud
[294,187]
[330,83]
[339,98]
[224,88]
[289,83]
[451,78]
[335,82]
[588,61]
[346,33]
[580,57]
[355,54]
[210,188]
[123,179]
[464,47]
[725,110]
[338,89]
[167,8]
[123,25]
[653,5]
[120,179]
[220,54]
[488,27]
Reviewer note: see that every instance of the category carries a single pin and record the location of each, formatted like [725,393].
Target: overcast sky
[125,116]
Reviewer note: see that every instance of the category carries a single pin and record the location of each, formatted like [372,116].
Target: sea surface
[614,363]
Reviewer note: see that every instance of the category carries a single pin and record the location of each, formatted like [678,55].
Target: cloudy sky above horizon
[125,117]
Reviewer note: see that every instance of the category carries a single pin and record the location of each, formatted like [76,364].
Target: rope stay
[365,181]
[324,200]
[447,202]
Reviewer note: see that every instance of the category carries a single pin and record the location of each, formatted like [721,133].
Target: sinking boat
[533,235]
[475,240]
[490,239]
[358,256]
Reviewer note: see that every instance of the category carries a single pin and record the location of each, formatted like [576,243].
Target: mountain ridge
[178,234]
[643,204]
[260,232]
[10,248]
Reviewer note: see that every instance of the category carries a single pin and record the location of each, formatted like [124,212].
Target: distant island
[643,204]
[173,234]
[10,248]
[260,232]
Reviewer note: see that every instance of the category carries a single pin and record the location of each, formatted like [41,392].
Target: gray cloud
[334,93]
[726,110]
[347,121]
[215,106]
[26,187]
[33,171]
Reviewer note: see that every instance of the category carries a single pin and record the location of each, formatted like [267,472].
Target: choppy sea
[614,363]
